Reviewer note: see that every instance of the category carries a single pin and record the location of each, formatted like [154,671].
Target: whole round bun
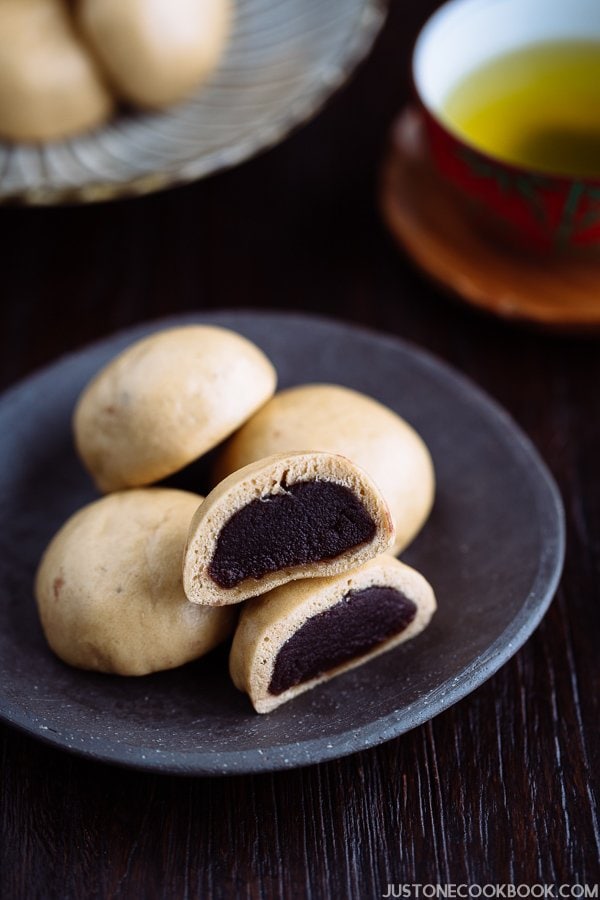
[165,401]
[50,87]
[155,52]
[109,586]
[334,418]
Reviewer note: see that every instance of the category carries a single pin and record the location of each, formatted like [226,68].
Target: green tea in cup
[536,106]
[509,97]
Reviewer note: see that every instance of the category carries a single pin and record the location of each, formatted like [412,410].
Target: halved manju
[288,516]
[309,631]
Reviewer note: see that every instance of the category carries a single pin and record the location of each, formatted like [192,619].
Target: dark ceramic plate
[493,550]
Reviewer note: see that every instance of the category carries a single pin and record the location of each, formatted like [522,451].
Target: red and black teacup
[544,211]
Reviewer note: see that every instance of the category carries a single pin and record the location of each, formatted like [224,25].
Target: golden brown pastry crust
[338,419]
[50,86]
[155,52]
[267,622]
[109,587]
[264,478]
[166,400]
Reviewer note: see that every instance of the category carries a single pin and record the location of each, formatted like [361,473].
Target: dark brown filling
[358,623]
[311,521]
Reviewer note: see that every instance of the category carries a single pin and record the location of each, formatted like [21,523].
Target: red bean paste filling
[311,521]
[358,623]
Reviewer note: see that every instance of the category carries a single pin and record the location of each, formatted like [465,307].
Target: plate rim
[298,754]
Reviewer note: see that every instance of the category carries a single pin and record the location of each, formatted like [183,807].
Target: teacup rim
[491,158]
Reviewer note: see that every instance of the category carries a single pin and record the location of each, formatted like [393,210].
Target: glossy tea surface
[537,106]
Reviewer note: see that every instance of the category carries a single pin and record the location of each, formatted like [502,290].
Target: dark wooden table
[498,789]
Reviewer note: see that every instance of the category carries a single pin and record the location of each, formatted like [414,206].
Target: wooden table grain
[499,789]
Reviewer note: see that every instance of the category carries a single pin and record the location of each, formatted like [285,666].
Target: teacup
[537,210]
